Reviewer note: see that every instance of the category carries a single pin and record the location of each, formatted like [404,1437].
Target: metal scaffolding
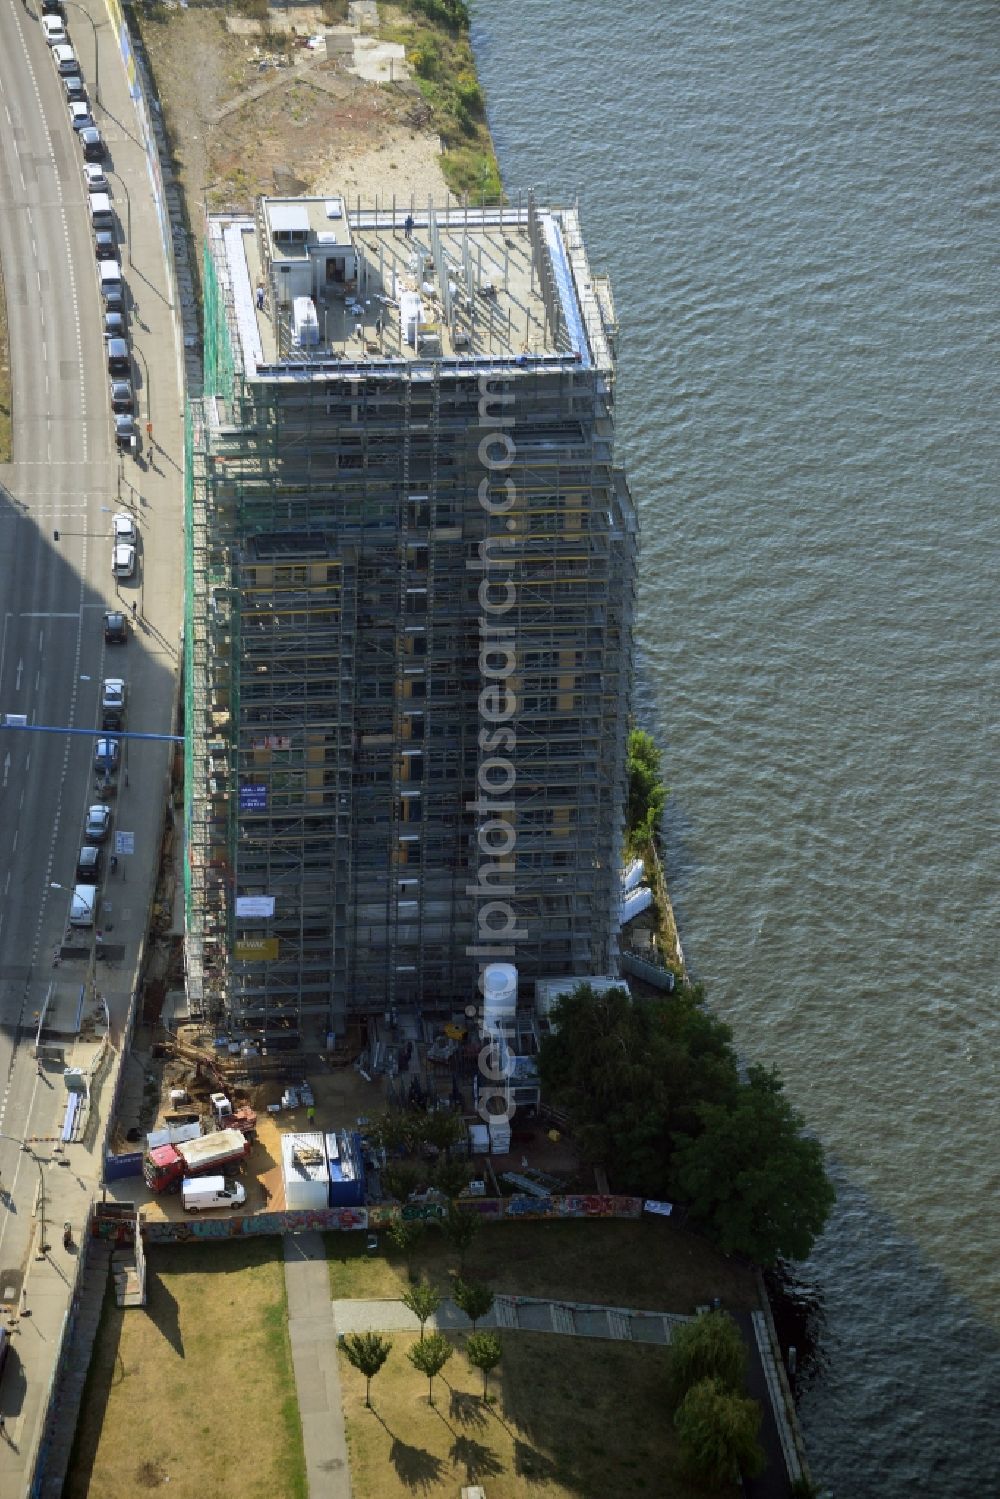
[337,515]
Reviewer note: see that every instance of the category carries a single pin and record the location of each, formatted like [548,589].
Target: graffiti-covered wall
[326,1220]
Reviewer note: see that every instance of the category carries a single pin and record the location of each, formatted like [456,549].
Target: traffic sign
[124,843]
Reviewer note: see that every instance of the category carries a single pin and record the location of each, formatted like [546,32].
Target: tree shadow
[530,1463]
[467,1409]
[478,1460]
[415,1466]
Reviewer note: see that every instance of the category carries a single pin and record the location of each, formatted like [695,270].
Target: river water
[798,205]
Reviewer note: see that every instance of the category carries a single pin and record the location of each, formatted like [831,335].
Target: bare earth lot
[194,1394]
[299,136]
[569,1418]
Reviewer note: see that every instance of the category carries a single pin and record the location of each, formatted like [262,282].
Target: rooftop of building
[313,286]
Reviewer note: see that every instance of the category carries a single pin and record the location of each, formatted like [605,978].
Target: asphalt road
[68,477]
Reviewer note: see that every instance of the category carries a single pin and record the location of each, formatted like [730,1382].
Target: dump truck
[166,1166]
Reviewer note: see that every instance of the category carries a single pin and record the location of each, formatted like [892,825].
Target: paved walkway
[314,1358]
[581,1319]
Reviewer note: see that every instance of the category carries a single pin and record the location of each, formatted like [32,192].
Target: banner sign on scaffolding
[254,905]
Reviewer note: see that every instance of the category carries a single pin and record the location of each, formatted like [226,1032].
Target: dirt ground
[196,1390]
[556,1425]
[317,129]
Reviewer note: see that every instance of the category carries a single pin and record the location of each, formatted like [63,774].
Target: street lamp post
[41,1184]
[128,210]
[97,51]
[145,376]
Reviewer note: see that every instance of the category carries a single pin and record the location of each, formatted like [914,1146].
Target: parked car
[114,693]
[115,325]
[115,627]
[107,753]
[119,361]
[65,59]
[95,179]
[75,91]
[54,30]
[122,395]
[113,690]
[98,823]
[92,143]
[109,276]
[126,434]
[52,7]
[105,244]
[123,560]
[89,864]
[123,528]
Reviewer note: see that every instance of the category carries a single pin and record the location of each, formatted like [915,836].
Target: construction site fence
[590,1205]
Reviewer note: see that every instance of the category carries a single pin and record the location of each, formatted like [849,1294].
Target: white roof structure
[288,218]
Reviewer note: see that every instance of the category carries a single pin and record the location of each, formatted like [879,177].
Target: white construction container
[547,991]
[305,1171]
[305,324]
[499,997]
[633,904]
[411,314]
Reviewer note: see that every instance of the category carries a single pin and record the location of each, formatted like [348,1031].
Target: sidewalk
[314,1358]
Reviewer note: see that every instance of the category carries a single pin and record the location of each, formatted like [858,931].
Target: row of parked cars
[104,227]
[90,863]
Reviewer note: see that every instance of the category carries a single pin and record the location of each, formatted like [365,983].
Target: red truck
[165,1166]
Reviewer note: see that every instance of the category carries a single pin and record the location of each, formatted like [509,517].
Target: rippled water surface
[798,206]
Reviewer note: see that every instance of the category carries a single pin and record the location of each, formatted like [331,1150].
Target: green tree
[423,1301]
[709,1347]
[474,1299]
[396,1129]
[430,1356]
[405,1236]
[443,1129]
[751,1178]
[717,1430]
[631,1074]
[451,1177]
[367,1351]
[460,1229]
[399,1180]
[484,1351]
[647,794]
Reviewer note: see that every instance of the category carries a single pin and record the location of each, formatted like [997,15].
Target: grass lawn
[648,1264]
[196,1388]
[572,1418]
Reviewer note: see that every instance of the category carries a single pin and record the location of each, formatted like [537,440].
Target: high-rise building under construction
[411,569]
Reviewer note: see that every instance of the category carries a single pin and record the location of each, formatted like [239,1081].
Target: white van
[65,60]
[109,274]
[83,905]
[101,213]
[201,1192]
[54,30]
